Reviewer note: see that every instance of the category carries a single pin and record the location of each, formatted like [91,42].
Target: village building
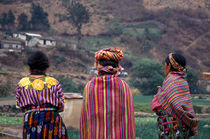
[46,41]
[11,45]
[205,81]
[41,42]
[32,40]
[26,36]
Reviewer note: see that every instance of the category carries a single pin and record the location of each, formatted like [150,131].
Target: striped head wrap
[176,65]
[114,54]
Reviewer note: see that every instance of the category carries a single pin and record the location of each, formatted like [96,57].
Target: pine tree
[39,18]
[23,21]
[3,20]
[11,18]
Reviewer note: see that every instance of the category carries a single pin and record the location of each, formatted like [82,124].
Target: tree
[147,75]
[192,79]
[39,18]
[23,21]
[78,15]
[68,85]
[3,20]
[10,19]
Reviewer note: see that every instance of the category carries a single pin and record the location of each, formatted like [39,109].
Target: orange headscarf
[114,54]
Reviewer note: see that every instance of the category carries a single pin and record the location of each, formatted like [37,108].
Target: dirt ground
[7,101]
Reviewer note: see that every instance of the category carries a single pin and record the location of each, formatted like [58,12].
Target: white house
[26,36]
[32,39]
[41,42]
[11,46]
[46,41]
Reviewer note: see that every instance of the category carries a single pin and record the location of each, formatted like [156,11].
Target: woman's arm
[61,99]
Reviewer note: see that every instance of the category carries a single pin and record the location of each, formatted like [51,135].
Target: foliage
[59,59]
[10,18]
[78,15]
[135,92]
[197,109]
[4,90]
[95,43]
[115,27]
[147,75]
[3,20]
[23,21]
[192,79]
[39,18]
[67,84]
[7,20]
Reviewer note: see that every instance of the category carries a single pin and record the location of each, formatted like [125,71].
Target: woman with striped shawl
[107,110]
[173,103]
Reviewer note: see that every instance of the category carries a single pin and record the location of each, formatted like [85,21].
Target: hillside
[142,28]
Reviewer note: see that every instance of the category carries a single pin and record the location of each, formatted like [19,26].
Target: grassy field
[146,128]
[143,103]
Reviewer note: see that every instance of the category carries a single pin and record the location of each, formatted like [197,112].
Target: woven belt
[40,109]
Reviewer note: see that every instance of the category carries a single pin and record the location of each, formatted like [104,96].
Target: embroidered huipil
[39,91]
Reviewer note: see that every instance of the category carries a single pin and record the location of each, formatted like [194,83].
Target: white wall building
[11,45]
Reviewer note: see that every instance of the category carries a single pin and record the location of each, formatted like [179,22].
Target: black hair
[178,58]
[38,62]
[105,62]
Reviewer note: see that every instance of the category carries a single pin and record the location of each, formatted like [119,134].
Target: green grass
[142,99]
[143,107]
[95,43]
[4,120]
[143,103]
[8,97]
[146,128]
[197,101]
[147,25]
[73,133]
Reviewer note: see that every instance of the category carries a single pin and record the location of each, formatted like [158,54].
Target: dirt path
[195,41]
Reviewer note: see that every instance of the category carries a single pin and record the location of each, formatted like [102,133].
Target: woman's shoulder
[24,81]
[37,83]
[51,80]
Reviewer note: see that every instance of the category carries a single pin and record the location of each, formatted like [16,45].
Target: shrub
[197,109]
[115,27]
[147,75]
[67,84]
[60,60]
[4,90]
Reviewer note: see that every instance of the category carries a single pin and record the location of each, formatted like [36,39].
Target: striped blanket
[107,110]
[175,98]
